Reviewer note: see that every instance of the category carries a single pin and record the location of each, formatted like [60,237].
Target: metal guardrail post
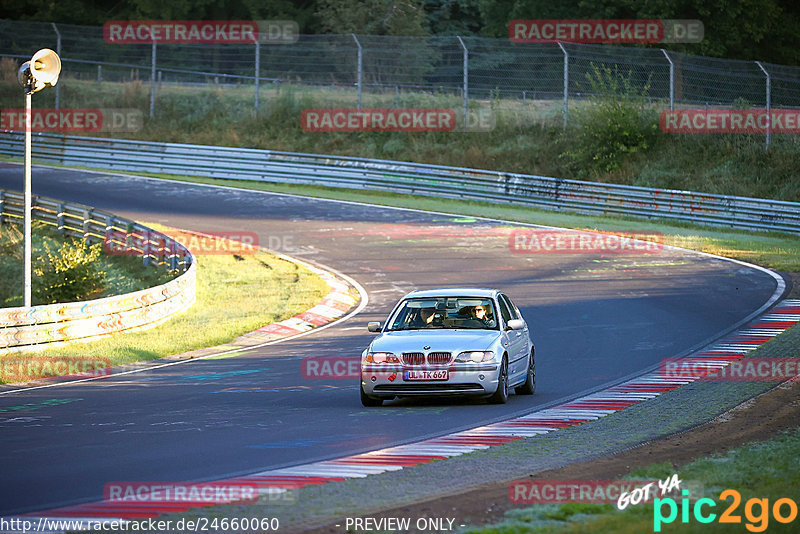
[153,80]
[671,80]
[58,51]
[258,71]
[566,84]
[87,217]
[146,250]
[769,102]
[466,78]
[60,218]
[360,68]
[109,237]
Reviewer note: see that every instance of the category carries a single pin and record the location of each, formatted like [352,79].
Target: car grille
[439,358]
[413,358]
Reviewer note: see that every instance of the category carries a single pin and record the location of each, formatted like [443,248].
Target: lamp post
[34,75]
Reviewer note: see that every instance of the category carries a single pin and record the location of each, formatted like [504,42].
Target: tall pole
[27,223]
[41,71]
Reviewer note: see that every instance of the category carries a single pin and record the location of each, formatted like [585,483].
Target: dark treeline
[768,30]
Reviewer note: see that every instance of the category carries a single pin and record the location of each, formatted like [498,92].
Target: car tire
[529,387]
[501,395]
[369,402]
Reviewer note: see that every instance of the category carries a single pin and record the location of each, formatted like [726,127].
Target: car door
[517,342]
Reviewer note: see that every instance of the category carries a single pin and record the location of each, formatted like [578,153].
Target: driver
[423,319]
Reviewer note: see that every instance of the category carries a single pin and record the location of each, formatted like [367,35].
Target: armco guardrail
[435,180]
[21,328]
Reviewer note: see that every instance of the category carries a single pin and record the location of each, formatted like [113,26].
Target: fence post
[671,80]
[258,69]
[769,102]
[153,80]
[466,78]
[99,74]
[360,68]
[566,83]
[2,207]
[58,51]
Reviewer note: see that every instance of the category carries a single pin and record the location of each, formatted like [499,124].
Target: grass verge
[758,470]
[235,294]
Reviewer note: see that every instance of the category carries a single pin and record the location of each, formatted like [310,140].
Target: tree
[373,17]
[738,29]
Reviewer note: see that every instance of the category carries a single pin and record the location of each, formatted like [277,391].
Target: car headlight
[475,356]
[382,357]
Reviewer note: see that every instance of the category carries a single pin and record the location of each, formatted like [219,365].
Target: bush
[67,274]
[611,126]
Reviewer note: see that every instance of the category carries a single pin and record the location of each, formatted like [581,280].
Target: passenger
[480,313]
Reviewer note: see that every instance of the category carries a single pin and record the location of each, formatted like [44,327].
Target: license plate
[438,374]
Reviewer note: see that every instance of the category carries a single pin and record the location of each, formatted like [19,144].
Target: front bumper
[467,379]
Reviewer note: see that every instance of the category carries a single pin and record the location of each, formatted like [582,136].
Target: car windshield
[445,312]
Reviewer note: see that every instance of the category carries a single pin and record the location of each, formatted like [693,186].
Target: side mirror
[516,324]
[374,326]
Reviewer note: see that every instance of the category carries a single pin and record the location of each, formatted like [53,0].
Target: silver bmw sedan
[454,341]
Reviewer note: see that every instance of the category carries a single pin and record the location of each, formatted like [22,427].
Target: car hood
[439,340]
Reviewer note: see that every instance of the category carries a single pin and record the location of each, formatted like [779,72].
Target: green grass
[235,295]
[759,470]
[528,137]
[123,274]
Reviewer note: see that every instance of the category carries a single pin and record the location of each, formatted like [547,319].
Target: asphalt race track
[594,320]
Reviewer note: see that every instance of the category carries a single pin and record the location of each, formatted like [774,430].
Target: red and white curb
[731,348]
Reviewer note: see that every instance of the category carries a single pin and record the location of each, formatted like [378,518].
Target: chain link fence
[466,69]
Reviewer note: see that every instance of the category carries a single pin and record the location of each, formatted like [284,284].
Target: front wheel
[369,402]
[501,395]
[530,381]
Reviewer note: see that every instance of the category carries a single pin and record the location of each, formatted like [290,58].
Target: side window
[504,310]
[511,308]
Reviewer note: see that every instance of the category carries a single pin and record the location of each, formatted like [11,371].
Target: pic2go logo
[756,511]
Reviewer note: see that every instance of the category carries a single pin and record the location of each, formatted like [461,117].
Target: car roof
[453,292]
